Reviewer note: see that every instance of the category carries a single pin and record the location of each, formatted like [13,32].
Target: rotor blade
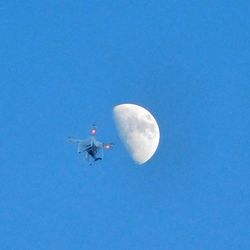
[70,139]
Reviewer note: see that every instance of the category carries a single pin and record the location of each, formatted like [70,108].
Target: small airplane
[92,149]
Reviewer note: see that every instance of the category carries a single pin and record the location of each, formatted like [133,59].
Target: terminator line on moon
[138,131]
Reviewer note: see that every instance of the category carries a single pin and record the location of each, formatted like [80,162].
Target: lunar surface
[138,131]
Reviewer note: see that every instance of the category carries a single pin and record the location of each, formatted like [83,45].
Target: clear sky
[65,65]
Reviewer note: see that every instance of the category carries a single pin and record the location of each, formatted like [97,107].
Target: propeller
[108,145]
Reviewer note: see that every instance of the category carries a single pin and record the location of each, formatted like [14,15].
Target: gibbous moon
[138,131]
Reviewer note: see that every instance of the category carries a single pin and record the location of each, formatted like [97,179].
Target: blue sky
[65,64]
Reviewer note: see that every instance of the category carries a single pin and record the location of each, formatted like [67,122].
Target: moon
[138,131]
